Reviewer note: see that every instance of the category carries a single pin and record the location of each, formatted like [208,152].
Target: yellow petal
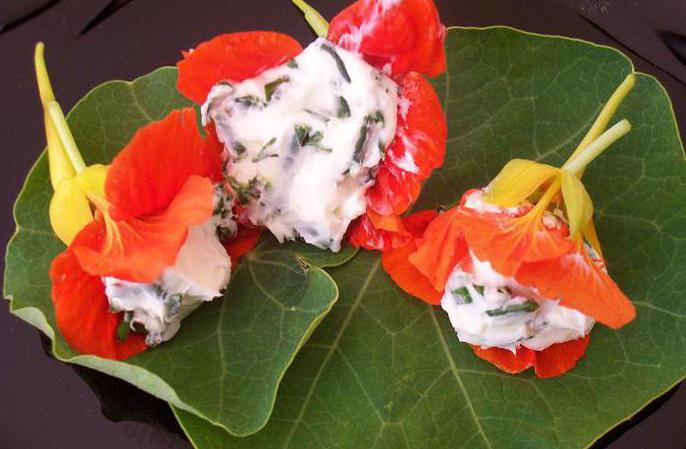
[518,180]
[577,202]
[70,210]
[591,237]
[70,207]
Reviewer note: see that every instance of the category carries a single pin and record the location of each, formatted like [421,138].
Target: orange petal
[363,234]
[404,36]
[148,173]
[242,243]
[505,360]
[507,242]
[560,358]
[422,129]
[394,190]
[396,261]
[580,285]
[82,312]
[138,249]
[441,248]
[232,57]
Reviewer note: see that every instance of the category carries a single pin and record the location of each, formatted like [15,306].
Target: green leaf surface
[384,370]
[226,362]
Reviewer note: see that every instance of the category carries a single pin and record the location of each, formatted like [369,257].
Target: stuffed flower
[332,139]
[517,265]
[146,235]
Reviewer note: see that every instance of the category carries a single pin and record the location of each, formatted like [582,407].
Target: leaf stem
[577,163]
[313,18]
[606,114]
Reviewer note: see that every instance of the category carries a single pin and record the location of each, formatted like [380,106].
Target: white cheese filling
[303,141]
[489,310]
[202,270]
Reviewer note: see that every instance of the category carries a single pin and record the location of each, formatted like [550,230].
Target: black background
[45,404]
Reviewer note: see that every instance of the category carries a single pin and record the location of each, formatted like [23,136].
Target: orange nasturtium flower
[127,220]
[404,39]
[533,224]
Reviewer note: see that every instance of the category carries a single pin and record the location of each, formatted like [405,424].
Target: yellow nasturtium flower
[521,179]
[77,187]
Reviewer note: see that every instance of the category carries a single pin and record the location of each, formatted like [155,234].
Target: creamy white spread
[303,141]
[202,270]
[489,310]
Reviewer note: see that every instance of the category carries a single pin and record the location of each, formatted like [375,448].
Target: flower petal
[232,57]
[507,242]
[518,180]
[245,240]
[150,171]
[82,312]
[419,143]
[396,261]
[505,360]
[560,358]
[441,248]
[399,36]
[394,190]
[138,249]
[580,285]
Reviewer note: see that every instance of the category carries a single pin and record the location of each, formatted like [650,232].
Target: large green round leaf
[228,359]
[384,370]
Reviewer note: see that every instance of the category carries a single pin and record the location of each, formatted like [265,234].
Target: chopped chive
[244,191]
[123,330]
[292,64]
[301,133]
[262,154]
[339,61]
[526,307]
[369,120]
[343,108]
[270,88]
[249,100]
[480,289]
[239,148]
[462,296]
[382,148]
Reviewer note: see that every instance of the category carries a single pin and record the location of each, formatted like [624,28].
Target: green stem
[577,163]
[313,18]
[67,139]
[606,113]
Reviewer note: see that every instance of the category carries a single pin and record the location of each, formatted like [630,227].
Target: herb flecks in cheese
[303,141]
[202,270]
[489,310]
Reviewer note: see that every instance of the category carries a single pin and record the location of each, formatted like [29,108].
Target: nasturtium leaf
[384,370]
[228,359]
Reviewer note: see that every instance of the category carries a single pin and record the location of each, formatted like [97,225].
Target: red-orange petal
[394,190]
[560,358]
[138,249]
[82,312]
[232,57]
[580,285]
[507,242]
[505,360]
[396,263]
[401,36]
[441,248]
[242,243]
[150,171]
[422,130]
